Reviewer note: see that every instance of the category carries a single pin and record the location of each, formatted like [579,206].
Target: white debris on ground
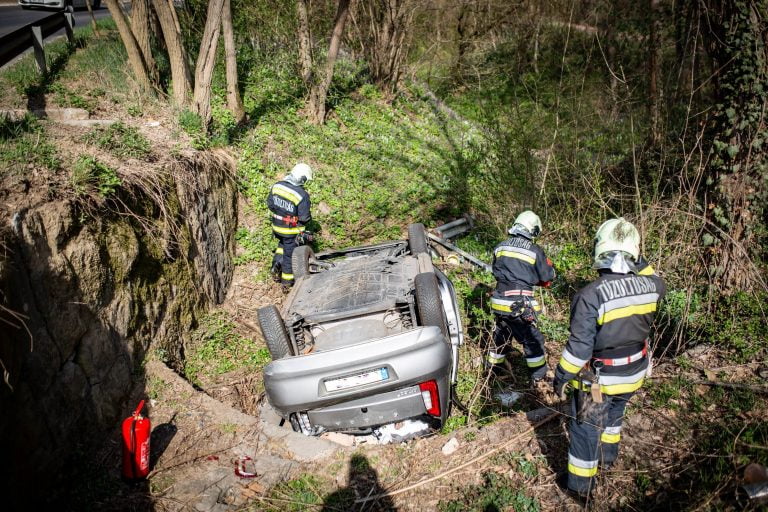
[507,398]
[400,431]
[450,447]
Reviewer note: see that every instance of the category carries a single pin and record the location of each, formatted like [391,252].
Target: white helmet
[529,221]
[617,235]
[301,173]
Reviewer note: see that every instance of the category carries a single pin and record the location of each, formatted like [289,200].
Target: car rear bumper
[304,383]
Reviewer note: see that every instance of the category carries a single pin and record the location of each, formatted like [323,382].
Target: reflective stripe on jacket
[611,318]
[519,264]
[290,206]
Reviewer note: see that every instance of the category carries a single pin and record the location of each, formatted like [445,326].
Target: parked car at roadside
[367,337]
[58,5]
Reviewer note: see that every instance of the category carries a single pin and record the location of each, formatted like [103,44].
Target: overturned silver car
[368,336]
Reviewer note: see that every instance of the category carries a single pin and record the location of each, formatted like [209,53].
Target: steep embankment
[91,279]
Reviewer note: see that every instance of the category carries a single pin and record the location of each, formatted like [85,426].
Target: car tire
[300,260]
[274,332]
[417,239]
[428,302]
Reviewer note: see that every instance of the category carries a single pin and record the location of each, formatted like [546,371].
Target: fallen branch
[758,389]
[461,466]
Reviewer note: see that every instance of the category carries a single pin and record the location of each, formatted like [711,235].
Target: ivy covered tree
[738,174]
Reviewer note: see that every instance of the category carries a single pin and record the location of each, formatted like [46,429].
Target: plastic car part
[428,302]
[275,334]
[417,239]
[300,260]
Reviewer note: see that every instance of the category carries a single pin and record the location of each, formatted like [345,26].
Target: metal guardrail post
[37,43]
[69,23]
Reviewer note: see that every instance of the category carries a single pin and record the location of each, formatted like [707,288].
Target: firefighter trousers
[282,258]
[594,436]
[528,335]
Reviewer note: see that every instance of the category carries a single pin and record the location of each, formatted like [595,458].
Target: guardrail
[33,34]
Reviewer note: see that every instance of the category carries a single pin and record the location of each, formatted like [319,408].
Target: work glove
[305,238]
[558,386]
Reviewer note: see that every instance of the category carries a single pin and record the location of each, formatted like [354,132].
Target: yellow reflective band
[569,367]
[536,307]
[610,438]
[510,254]
[615,314]
[279,250]
[286,193]
[287,277]
[647,271]
[536,364]
[501,307]
[495,360]
[287,231]
[585,472]
[610,389]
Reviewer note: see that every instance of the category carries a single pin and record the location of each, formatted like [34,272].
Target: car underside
[368,336]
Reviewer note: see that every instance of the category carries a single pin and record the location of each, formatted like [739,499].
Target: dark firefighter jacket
[610,320]
[518,265]
[290,206]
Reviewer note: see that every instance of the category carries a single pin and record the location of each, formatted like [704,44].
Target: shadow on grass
[35,92]
[362,483]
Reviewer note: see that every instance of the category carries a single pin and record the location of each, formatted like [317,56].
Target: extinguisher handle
[139,408]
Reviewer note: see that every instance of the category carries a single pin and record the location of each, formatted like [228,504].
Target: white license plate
[357,379]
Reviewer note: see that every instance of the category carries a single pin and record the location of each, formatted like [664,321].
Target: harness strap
[621,361]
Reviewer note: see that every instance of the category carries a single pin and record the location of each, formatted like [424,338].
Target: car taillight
[430,397]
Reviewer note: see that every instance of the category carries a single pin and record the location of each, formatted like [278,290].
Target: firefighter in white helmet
[606,357]
[289,205]
[519,265]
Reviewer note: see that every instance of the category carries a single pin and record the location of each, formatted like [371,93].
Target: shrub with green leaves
[121,140]
[89,174]
[497,492]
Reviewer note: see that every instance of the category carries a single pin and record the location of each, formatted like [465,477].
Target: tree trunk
[206,59]
[234,103]
[135,58]
[319,90]
[737,199]
[140,15]
[177,54]
[305,42]
[653,72]
[383,33]
[93,18]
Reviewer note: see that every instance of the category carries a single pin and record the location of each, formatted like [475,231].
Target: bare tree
[135,57]
[383,27]
[653,71]
[201,100]
[234,102]
[305,41]
[319,91]
[177,54]
[93,18]
[140,15]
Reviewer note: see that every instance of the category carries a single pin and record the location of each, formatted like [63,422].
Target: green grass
[89,175]
[121,140]
[497,492]
[218,349]
[23,144]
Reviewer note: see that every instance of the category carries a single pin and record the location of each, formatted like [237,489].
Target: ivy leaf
[732,150]
[731,113]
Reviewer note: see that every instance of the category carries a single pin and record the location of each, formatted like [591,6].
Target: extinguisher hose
[133,446]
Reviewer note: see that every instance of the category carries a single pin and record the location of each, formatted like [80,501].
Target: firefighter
[606,357]
[290,207]
[519,265]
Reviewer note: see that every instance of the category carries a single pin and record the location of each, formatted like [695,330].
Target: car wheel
[275,334]
[428,302]
[417,239]
[300,260]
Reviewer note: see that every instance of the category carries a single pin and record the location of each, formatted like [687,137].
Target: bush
[89,174]
[121,140]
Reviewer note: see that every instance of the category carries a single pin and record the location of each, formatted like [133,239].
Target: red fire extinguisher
[136,431]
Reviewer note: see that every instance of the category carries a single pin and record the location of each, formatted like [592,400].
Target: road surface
[13,17]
